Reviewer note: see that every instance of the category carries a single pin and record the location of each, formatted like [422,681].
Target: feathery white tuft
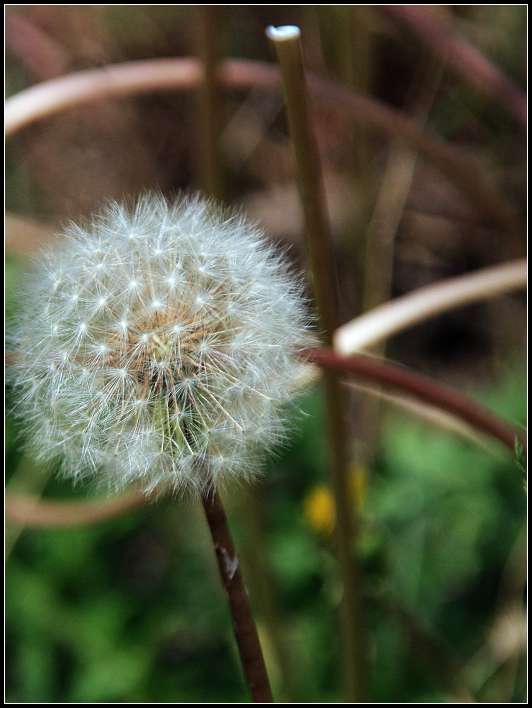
[157,346]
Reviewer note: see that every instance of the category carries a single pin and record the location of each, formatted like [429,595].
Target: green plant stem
[209,99]
[322,268]
[244,626]
[353,42]
[356,71]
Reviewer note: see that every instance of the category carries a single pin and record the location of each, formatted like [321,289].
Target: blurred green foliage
[132,610]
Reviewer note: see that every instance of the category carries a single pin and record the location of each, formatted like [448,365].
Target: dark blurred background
[132,610]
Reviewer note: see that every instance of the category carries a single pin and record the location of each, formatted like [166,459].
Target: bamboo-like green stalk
[287,44]
[209,123]
[353,42]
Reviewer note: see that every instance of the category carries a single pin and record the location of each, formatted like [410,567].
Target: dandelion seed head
[157,345]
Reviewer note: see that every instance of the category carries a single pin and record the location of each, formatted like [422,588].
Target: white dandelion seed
[172,364]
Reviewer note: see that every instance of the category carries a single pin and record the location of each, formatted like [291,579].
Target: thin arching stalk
[78,88]
[131,78]
[244,626]
[382,322]
[419,386]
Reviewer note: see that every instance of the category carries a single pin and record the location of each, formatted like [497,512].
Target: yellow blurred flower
[319,507]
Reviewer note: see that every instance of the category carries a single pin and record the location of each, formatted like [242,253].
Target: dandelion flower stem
[244,626]
[288,47]
[211,179]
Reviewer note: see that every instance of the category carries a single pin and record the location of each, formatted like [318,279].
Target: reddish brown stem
[244,626]
[421,387]
[465,59]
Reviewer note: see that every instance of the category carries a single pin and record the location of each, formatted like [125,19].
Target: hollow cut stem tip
[283,33]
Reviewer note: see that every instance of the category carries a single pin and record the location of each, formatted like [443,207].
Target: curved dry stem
[50,97]
[467,61]
[36,513]
[388,319]
[31,511]
[130,78]
[421,387]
